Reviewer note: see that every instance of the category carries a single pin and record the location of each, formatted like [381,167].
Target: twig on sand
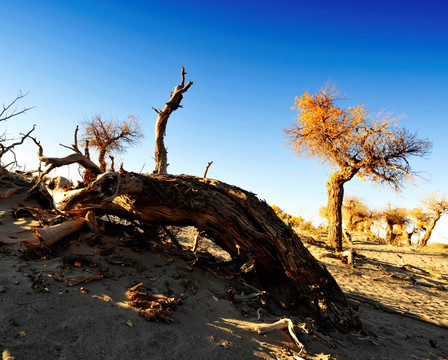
[279,325]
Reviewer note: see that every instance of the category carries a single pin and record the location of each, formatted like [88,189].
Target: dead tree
[233,218]
[162,120]
[8,112]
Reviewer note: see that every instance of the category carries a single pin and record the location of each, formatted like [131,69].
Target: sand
[43,317]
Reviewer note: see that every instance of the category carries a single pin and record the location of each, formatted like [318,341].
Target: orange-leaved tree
[352,144]
[110,135]
[357,215]
[396,220]
[288,219]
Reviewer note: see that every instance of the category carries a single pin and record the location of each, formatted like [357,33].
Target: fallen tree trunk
[234,219]
[50,235]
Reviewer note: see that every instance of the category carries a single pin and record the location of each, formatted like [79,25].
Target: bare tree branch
[5,149]
[9,111]
[162,119]
[53,163]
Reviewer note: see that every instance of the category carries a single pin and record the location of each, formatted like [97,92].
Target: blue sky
[247,61]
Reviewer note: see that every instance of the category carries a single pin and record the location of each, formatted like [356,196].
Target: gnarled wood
[234,219]
[162,120]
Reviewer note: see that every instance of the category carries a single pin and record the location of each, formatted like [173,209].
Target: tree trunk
[160,151]
[424,240]
[234,219]
[335,192]
[101,159]
[162,120]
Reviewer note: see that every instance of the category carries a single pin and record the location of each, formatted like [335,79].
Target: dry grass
[435,248]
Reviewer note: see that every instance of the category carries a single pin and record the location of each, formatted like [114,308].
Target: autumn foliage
[288,219]
[351,143]
[357,215]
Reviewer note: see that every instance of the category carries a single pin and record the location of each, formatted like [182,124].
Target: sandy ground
[43,317]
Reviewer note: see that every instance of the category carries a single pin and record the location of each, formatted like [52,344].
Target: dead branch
[206,169]
[53,163]
[50,235]
[5,149]
[84,279]
[74,146]
[278,325]
[162,119]
[151,307]
[9,111]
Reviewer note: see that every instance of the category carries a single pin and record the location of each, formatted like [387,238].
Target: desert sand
[69,301]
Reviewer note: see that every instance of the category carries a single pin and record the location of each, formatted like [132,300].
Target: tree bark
[50,235]
[424,240]
[335,192]
[162,120]
[234,219]
[101,159]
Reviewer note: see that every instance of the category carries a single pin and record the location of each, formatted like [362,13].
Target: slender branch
[4,112]
[206,169]
[54,163]
[5,149]
[74,146]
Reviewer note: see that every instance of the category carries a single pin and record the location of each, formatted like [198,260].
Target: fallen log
[50,235]
[234,219]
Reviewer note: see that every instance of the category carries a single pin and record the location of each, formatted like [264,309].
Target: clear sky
[248,60]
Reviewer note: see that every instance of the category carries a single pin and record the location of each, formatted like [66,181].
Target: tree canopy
[111,135]
[352,143]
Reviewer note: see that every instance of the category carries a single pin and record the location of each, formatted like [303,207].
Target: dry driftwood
[235,219]
[50,235]
[278,325]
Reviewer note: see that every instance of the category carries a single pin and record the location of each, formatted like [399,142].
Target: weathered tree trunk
[234,219]
[335,192]
[101,159]
[162,120]
[424,240]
